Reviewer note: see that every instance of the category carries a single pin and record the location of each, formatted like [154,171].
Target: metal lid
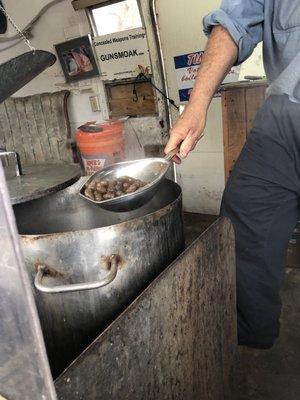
[40,180]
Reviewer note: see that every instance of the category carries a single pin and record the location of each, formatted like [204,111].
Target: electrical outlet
[95,103]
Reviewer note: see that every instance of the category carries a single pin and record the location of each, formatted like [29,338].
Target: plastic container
[100,144]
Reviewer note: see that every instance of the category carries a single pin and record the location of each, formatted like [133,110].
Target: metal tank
[87,264]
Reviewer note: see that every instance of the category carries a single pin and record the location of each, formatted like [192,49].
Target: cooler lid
[90,128]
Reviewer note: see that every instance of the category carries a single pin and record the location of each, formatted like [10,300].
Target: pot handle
[112,266]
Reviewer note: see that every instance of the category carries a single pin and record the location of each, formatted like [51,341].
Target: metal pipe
[18,167]
[153,14]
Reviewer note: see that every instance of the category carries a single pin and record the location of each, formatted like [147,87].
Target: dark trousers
[262,201]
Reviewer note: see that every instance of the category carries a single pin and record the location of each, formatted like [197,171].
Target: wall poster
[120,54]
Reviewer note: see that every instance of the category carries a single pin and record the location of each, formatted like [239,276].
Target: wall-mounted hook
[135,98]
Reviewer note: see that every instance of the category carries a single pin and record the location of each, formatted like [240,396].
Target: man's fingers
[173,142]
[196,142]
[188,144]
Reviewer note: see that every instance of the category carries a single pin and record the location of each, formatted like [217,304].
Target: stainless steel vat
[70,241]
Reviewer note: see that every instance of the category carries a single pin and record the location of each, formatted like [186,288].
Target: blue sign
[187,66]
[188,60]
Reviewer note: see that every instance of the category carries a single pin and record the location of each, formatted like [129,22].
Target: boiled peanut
[89,193]
[132,188]
[108,196]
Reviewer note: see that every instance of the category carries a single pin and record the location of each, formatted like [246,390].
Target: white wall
[29,9]
[254,65]
[201,175]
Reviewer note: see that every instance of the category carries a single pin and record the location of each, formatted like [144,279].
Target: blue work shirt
[277,24]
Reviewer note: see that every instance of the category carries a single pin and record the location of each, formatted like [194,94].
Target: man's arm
[234,29]
[220,55]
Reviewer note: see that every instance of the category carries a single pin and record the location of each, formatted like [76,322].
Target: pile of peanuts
[99,190]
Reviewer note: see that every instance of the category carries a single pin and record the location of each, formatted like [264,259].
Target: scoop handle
[172,153]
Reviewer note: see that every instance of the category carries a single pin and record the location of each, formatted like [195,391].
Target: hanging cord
[142,77]
[17,29]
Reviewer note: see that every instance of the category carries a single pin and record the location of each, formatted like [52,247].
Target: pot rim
[162,211]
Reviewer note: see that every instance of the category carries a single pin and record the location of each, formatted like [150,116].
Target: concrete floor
[275,374]
[195,225]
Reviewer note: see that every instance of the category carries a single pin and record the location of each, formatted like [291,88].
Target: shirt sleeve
[244,21]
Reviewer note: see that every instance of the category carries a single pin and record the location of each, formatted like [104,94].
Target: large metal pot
[88,264]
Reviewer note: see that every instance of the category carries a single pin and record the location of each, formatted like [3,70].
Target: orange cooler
[100,145]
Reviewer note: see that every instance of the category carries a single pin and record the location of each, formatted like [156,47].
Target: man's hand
[187,131]
[220,55]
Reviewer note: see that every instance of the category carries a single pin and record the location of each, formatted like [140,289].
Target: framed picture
[77,58]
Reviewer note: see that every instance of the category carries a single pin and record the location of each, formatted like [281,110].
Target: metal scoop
[149,170]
